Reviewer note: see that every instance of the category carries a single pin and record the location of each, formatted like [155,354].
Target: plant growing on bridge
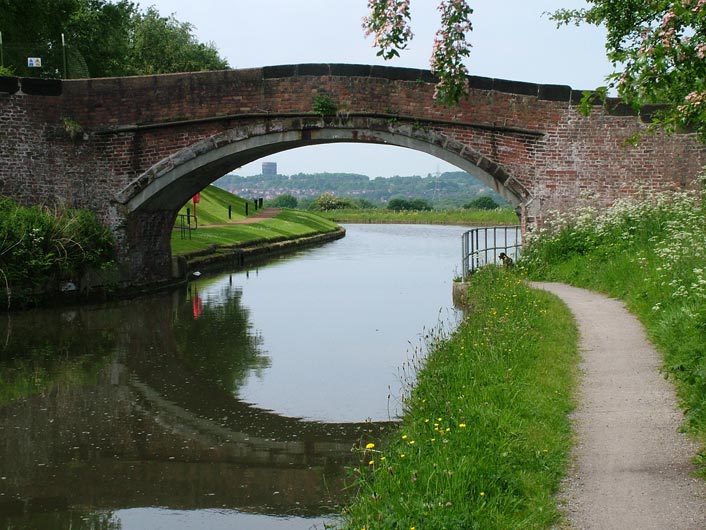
[72,128]
[323,106]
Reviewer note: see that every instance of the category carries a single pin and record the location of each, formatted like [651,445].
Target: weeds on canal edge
[485,435]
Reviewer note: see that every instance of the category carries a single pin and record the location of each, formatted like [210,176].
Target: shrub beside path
[632,467]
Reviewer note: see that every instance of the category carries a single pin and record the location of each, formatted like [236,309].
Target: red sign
[196,198]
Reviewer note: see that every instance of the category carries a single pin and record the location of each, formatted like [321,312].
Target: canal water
[233,402]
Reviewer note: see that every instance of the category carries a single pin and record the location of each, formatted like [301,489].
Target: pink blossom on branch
[388,22]
[450,49]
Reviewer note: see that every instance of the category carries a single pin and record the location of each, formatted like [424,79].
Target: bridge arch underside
[154,198]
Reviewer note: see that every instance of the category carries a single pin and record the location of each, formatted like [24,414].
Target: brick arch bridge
[135,149]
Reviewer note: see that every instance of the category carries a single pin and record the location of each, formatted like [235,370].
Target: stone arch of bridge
[167,185]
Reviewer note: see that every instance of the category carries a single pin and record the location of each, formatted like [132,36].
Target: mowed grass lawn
[224,231]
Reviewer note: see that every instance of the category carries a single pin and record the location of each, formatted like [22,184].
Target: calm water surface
[232,403]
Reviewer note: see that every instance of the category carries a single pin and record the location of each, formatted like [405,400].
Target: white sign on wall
[34,62]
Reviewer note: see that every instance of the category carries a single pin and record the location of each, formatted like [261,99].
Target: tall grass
[485,435]
[650,252]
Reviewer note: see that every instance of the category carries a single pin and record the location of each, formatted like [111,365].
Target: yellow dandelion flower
[411,442]
[402,455]
[404,436]
[372,462]
[370,445]
[461,425]
[482,494]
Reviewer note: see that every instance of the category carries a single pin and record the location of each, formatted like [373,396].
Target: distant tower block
[269,168]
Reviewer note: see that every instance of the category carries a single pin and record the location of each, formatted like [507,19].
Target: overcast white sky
[512,39]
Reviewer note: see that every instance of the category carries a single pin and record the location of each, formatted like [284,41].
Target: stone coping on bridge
[549,92]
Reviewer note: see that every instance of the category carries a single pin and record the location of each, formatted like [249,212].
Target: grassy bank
[470,217]
[213,207]
[224,231]
[650,252]
[485,435]
[288,224]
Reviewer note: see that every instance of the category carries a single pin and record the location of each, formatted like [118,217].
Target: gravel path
[632,467]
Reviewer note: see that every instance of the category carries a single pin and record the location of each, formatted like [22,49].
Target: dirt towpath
[632,467]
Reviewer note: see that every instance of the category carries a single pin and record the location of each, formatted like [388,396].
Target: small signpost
[34,62]
[196,198]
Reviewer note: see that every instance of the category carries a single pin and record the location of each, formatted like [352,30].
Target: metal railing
[185,226]
[481,246]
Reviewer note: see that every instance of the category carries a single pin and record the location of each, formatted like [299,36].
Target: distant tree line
[104,38]
[328,201]
[446,191]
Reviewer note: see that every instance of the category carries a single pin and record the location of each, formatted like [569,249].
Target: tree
[328,201]
[101,32]
[482,203]
[398,205]
[164,45]
[389,21]
[284,201]
[103,37]
[658,49]
[366,204]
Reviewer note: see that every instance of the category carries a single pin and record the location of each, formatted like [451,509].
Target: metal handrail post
[473,256]
[463,256]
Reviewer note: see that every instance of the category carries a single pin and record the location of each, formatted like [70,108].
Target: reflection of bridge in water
[147,431]
[256,437]
[150,450]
